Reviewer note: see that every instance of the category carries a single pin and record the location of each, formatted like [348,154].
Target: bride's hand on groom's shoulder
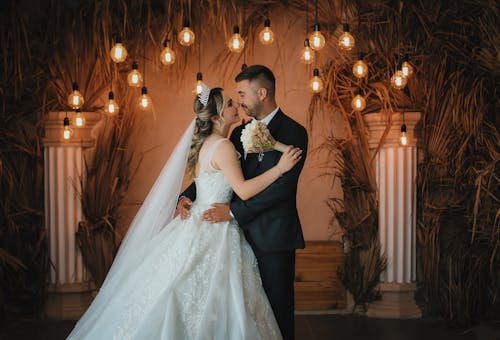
[183,207]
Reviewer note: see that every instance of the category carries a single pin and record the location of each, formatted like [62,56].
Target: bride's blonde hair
[204,125]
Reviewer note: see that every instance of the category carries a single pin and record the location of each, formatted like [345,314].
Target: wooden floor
[308,327]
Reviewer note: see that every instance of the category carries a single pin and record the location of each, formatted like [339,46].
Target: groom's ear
[262,93]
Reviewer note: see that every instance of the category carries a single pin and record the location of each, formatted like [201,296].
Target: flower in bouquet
[257,138]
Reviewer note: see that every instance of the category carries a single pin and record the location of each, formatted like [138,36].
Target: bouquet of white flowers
[257,138]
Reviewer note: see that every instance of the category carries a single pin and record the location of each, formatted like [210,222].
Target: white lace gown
[199,281]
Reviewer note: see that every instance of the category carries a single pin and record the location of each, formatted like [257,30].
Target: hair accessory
[205,92]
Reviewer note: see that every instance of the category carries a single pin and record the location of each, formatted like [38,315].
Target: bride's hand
[289,158]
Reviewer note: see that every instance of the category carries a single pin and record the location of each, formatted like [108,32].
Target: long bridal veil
[157,210]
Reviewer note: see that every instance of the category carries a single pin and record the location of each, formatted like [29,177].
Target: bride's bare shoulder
[225,149]
[226,145]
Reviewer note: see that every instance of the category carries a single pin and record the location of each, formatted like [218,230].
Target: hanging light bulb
[67,131]
[358,103]
[307,53]
[186,36]
[75,98]
[118,52]
[403,138]
[79,118]
[111,108]
[198,87]
[266,36]
[134,77]
[144,101]
[360,69]
[398,80]
[406,67]
[317,39]
[346,40]
[167,56]
[236,43]
[316,83]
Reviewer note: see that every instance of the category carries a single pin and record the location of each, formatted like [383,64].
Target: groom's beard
[254,111]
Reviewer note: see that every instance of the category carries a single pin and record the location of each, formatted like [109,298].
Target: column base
[398,302]
[68,302]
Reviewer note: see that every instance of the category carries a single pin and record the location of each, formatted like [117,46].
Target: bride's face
[230,112]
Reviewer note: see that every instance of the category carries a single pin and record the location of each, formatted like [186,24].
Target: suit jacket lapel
[275,123]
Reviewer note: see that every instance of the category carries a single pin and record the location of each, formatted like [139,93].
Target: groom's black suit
[270,219]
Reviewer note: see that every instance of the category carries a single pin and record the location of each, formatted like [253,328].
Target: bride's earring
[218,124]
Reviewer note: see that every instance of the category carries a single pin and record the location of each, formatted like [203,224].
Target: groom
[270,219]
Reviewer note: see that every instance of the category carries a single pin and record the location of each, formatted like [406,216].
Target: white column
[63,166]
[396,170]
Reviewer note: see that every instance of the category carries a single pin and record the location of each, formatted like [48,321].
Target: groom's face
[248,98]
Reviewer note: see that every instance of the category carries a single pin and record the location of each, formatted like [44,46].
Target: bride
[189,279]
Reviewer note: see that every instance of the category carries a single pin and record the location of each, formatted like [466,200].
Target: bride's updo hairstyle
[204,125]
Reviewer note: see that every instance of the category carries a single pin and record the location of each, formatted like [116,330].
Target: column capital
[378,122]
[82,136]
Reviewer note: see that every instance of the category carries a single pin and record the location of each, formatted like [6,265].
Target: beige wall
[173,112]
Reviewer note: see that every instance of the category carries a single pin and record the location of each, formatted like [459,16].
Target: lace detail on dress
[198,281]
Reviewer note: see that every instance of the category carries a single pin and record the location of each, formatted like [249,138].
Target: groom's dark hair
[259,73]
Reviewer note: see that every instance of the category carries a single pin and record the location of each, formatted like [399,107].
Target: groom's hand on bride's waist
[183,207]
[218,213]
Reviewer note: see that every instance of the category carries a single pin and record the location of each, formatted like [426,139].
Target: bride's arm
[226,160]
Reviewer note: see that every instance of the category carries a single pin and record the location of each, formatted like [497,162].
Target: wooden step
[317,286]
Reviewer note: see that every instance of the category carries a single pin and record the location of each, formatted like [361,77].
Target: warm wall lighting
[111,108]
[79,118]
[118,52]
[317,39]
[316,83]
[406,67]
[144,101]
[75,98]
[307,53]
[236,43]
[403,138]
[266,36]
[198,85]
[398,80]
[134,77]
[346,40]
[167,56]
[360,69]
[186,36]
[67,131]
[358,103]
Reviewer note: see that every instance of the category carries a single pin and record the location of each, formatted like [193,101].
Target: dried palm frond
[361,272]
[458,178]
[109,168]
[23,251]
[461,152]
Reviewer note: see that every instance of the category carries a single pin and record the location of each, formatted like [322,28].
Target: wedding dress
[189,280]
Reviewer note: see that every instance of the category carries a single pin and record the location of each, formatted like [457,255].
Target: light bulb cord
[316,14]
[307,16]
[199,38]
[243,21]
